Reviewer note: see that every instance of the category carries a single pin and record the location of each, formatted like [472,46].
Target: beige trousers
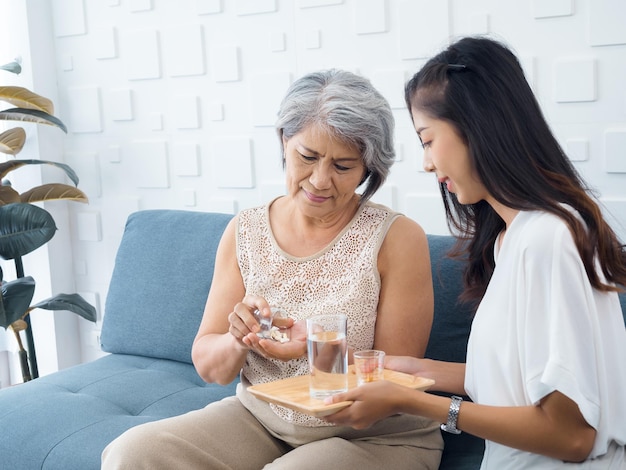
[226,435]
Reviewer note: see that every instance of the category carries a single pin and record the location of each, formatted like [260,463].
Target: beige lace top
[342,278]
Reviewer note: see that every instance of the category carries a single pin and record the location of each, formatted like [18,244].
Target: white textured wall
[170,103]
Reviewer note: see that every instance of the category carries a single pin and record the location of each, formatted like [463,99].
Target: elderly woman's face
[322,172]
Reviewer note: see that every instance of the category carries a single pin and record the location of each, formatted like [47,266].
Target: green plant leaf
[32,115]
[11,165]
[53,191]
[24,228]
[16,298]
[13,67]
[71,302]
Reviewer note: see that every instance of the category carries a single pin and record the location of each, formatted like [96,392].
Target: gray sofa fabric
[160,281]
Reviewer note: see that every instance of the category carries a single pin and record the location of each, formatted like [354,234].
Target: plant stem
[30,341]
[23,357]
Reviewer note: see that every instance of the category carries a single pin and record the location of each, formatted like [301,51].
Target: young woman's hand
[371,403]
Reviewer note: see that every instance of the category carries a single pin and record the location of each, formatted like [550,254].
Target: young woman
[544,365]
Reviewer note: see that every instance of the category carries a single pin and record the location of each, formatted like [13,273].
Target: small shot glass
[268,330]
[369,365]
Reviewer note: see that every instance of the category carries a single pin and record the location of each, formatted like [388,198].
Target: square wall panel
[188,197]
[209,7]
[552,8]
[113,153]
[67,62]
[267,91]
[186,156]
[140,51]
[89,226]
[183,50]
[391,84]
[313,39]
[615,151]
[318,3]
[479,23]
[370,16]
[104,43]
[577,149]
[255,7]
[121,104]
[187,112]
[140,5]
[607,22]
[84,109]
[423,27]
[215,111]
[149,164]
[271,190]
[68,17]
[156,121]
[278,42]
[223,206]
[232,162]
[225,63]
[575,80]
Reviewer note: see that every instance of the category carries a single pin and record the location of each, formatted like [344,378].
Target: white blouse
[541,327]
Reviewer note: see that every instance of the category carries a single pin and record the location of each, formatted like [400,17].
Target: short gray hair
[351,109]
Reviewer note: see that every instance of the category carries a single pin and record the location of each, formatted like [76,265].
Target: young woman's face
[322,172]
[446,155]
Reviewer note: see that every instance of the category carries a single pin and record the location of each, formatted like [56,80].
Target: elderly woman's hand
[292,349]
[242,321]
[244,327]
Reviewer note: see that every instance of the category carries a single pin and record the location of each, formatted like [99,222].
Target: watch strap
[453,415]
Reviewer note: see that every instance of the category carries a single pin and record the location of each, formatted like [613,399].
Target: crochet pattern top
[341,278]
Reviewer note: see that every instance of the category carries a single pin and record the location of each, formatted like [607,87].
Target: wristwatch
[453,416]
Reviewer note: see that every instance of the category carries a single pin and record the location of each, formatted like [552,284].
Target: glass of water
[327,349]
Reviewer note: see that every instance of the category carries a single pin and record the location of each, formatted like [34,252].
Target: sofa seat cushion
[80,410]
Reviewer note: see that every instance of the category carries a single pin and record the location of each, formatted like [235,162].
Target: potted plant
[24,227]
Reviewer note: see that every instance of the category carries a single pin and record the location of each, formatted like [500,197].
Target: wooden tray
[294,392]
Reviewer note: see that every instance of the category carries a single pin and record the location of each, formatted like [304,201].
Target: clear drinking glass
[369,365]
[327,349]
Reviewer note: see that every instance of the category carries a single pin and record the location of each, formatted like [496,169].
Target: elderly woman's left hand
[292,349]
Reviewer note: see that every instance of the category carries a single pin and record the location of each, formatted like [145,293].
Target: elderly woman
[322,248]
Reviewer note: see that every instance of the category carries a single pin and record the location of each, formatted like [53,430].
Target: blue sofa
[161,277]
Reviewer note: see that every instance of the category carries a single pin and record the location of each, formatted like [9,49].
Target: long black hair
[478,86]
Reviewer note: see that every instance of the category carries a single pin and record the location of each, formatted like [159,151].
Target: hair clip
[457,67]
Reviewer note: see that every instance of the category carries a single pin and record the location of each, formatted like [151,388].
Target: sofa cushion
[448,342]
[160,282]
[74,413]
[452,318]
